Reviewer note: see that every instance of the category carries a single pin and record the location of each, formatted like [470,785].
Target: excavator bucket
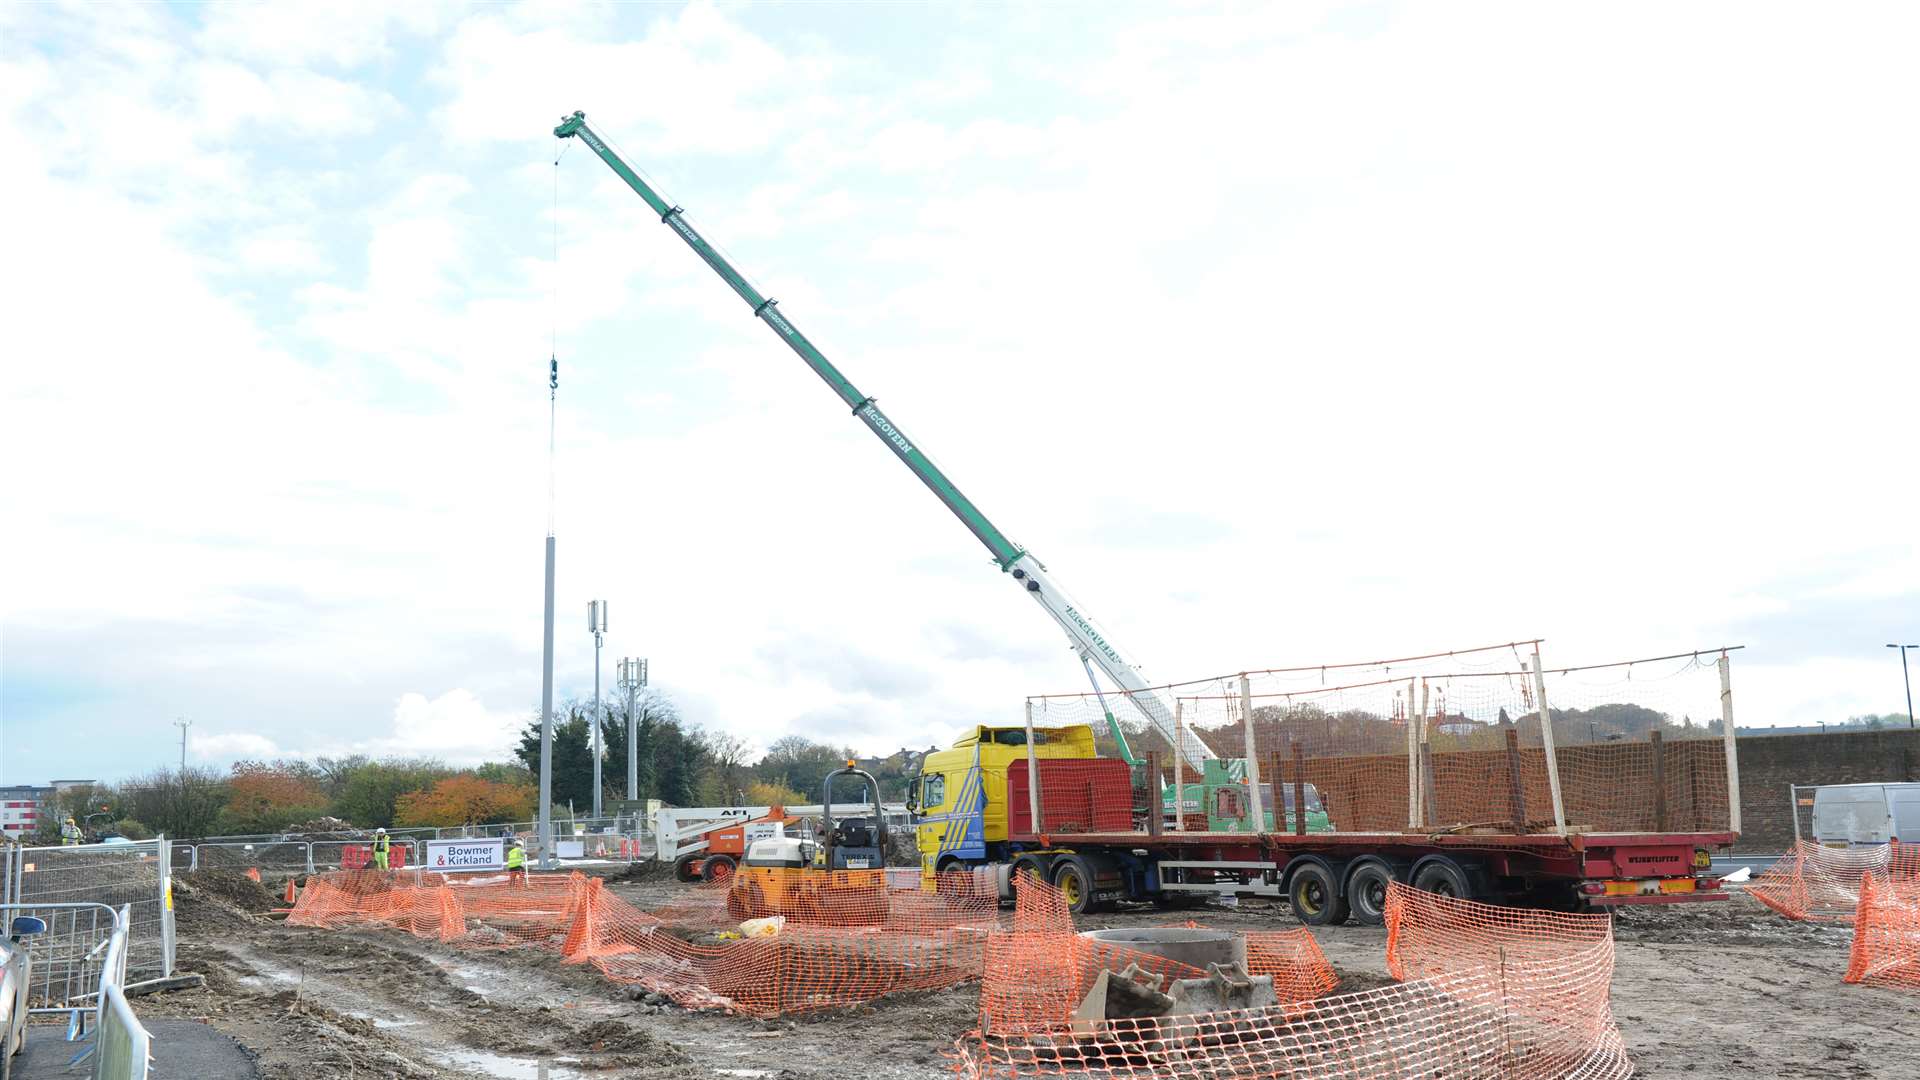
[1134,992]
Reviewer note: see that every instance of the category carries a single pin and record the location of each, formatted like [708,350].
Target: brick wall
[1768,763]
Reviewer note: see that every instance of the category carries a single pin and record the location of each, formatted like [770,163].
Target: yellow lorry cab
[959,800]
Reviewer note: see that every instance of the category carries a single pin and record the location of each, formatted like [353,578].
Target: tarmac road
[181,1048]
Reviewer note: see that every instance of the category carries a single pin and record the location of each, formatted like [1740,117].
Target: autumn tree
[773,793]
[465,800]
[263,797]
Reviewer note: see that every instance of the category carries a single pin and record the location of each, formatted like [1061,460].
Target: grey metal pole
[599,622]
[546,725]
[633,734]
[183,724]
[1908,679]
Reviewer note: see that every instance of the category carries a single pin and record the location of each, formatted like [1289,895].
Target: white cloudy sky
[1283,333]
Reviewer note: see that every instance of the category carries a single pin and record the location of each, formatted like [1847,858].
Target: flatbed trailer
[1328,876]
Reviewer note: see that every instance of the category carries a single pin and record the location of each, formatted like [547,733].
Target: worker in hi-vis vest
[70,834]
[380,847]
[517,858]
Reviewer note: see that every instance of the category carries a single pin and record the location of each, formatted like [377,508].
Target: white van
[1853,815]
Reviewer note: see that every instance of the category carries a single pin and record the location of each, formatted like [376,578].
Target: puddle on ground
[382,1022]
[266,973]
[511,1068]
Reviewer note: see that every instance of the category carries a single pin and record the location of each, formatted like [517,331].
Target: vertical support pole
[1156,812]
[1793,804]
[1413,763]
[1733,746]
[546,724]
[1516,793]
[1033,779]
[1299,790]
[1546,741]
[595,731]
[1257,814]
[1429,804]
[1276,779]
[1660,782]
[633,735]
[1179,767]
[166,906]
[310,868]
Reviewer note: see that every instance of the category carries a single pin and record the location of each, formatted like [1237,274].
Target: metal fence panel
[122,1046]
[287,855]
[128,876]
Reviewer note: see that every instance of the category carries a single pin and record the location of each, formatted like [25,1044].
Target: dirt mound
[644,870]
[235,888]
[326,828]
[614,1037]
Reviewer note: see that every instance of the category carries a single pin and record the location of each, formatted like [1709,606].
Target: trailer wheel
[1074,878]
[1037,865]
[683,869]
[1367,892]
[1443,877]
[1315,896]
[718,868]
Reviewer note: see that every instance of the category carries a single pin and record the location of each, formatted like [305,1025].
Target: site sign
[451,855]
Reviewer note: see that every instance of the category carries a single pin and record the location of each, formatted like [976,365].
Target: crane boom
[1092,645]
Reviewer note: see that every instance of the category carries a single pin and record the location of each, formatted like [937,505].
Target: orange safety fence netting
[1886,934]
[1466,1015]
[1822,884]
[845,938]
[1038,972]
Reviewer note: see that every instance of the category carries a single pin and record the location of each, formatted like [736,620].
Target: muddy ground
[1702,991]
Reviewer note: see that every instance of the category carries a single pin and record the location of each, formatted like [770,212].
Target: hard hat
[379,830]
[69,819]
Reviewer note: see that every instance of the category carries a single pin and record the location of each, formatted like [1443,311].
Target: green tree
[801,764]
[369,790]
[180,803]
[672,758]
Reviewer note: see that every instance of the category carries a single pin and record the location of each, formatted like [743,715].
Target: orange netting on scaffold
[1467,1015]
[1886,934]
[838,939]
[1823,884]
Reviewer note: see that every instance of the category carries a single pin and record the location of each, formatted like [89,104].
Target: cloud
[344,35]
[1282,335]
[226,746]
[454,726]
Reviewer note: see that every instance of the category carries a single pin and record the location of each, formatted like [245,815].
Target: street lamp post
[596,622]
[1908,679]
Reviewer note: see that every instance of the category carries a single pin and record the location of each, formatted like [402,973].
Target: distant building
[1458,724]
[20,807]
[903,760]
[23,805]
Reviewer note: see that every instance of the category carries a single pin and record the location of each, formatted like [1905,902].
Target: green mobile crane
[1095,649]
